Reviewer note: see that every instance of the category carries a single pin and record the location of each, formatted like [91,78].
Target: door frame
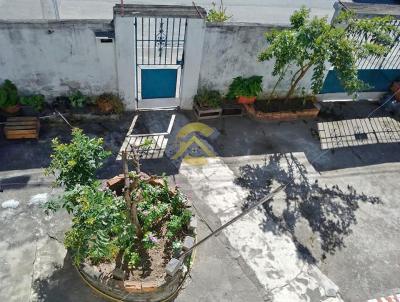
[155,49]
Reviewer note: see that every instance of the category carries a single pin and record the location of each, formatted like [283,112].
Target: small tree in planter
[312,42]
[134,233]
[245,90]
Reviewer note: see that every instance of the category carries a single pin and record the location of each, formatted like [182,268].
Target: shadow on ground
[329,211]
[64,284]
[242,136]
[32,154]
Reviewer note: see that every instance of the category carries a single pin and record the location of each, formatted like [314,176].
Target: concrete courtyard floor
[333,231]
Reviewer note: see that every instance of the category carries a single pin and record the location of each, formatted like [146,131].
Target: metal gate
[378,72]
[159,54]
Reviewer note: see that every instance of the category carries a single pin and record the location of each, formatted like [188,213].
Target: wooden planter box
[22,127]
[232,109]
[282,115]
[206,113]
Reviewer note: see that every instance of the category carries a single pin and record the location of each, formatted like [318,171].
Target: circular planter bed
[131,238]
[280,110]
[159,275]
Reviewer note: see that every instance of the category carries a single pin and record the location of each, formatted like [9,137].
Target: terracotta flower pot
[12,109]
[104,106]
[246,100]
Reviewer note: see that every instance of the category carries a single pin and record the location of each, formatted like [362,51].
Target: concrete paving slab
[270,253]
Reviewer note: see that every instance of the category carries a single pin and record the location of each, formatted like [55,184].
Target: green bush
[177,222]
[101,227]
[248,87]
[8,94]
[36,101]
[78,100]
[208,98]
[76,163]
[217,14]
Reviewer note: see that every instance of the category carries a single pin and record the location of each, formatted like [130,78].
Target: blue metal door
[158,83]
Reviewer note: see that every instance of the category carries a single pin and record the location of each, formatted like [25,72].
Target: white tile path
[272,256]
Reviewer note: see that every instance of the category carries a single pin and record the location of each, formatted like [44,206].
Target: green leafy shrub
[132,258]
[8,94]
[177,222]
[208,98]
[110,103]
[311,42]
[149,240]
[248,87]
[176,247]
[78,100]
[36,101]
[101,228]
[76,163]
[217,14]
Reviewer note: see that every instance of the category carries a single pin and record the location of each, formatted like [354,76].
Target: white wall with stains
[231,50]
[55,57]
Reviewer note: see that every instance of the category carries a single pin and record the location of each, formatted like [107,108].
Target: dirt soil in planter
[152,267]
[282,105]
[154,260]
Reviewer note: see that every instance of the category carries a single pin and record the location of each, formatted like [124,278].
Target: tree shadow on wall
[329,211]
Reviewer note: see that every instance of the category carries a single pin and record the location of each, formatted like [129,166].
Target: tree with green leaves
[77,162]
[106,226]
[310,43]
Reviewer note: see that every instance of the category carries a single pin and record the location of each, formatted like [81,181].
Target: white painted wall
[193,57]
[231,50]
[125,58]
[54,58]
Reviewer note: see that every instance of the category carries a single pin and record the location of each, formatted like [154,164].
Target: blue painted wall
[378,80]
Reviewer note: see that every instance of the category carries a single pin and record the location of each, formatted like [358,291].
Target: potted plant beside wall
[245,90]
[207,104]
[9,97]
[32,104]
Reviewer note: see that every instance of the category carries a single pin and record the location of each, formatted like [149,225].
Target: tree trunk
[130,203]
[271,95]
[297,80]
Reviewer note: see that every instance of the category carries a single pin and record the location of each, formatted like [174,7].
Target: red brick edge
[282,115]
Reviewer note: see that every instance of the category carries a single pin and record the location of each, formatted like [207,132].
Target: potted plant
[9,97]
[77,100]
[245,90]
[32,104]
[207,104]
[109,103]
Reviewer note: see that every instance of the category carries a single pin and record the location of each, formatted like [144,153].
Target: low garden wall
[54,57]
